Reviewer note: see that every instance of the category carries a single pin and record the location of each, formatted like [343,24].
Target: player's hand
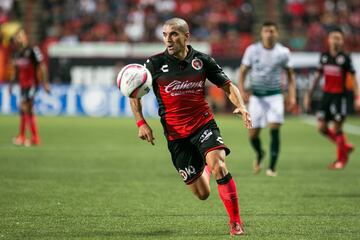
[245,116]
[307,103]
[291,103]
[145,133]
[47,88]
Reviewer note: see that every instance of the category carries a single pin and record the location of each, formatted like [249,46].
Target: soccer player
[335,65]
[265,61]
[31,70]
[194,141]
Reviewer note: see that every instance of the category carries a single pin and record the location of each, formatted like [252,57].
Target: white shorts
[268,109]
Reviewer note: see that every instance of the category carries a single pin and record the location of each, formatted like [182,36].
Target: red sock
[33,126]
[228,194]
[22,125]
[331,134]
[341,148]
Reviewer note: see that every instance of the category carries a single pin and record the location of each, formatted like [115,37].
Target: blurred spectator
[141,20]
[318,17]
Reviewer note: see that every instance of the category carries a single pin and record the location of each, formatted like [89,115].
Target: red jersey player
[30,70]
[335,65]
[194,141]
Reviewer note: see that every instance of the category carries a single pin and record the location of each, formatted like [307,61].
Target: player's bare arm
[356,93]
[241,82]
[43,76]
[145,132]
[235,97]
[308,95]
[291,87]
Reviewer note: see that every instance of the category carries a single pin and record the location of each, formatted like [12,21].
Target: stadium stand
[307,22]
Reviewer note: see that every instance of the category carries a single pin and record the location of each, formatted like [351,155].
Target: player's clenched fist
[145,133]
[245,116]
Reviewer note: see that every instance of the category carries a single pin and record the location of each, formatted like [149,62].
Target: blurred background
[86,42]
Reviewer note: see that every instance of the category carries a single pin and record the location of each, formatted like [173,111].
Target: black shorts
[28,93]
[333,107]
[188,154]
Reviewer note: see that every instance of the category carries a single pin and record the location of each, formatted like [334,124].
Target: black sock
[225,179]
[274,147]
[256,144]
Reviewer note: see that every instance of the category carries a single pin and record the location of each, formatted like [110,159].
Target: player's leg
[275,117]
[226,188]
[323,127]
[23,111]
[334,109]
[343,148]
[274,148]
[211,145]
[254,136]
[256,110]
[21,137]
[35,139]
[191,167]
[201,186]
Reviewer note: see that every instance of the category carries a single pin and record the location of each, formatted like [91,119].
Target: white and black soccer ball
[134,80]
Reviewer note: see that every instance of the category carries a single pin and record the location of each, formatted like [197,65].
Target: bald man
[194,141]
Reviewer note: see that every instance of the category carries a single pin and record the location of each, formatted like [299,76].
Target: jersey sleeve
[246,60]
[149,65]
[319,67]
[215,73]
[37,55]
[287,59]
[349,66]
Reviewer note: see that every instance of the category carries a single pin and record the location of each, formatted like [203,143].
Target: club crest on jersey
[197,64]
[340,59]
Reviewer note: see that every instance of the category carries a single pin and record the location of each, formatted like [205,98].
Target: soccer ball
[134,80]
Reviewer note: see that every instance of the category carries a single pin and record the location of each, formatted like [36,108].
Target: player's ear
[187,36]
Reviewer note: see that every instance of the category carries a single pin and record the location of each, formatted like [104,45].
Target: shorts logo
[187,172]
[220,140]
[197,64]
[205,136]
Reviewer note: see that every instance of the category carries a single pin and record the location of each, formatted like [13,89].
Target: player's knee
[203,195]
[219,169]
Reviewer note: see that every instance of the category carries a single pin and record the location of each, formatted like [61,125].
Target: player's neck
[268,45]
[182,54]
[334,51]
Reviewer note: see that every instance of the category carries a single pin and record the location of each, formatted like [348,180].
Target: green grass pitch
[94,179]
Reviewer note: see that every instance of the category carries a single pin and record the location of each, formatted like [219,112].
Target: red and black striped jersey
[335,70]
[179,87]
[26,62]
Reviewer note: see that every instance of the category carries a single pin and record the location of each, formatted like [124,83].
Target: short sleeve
[287,59]
[215,73]
[319,67]
[349,66]
[246,60]
[37,55]
[148,64]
